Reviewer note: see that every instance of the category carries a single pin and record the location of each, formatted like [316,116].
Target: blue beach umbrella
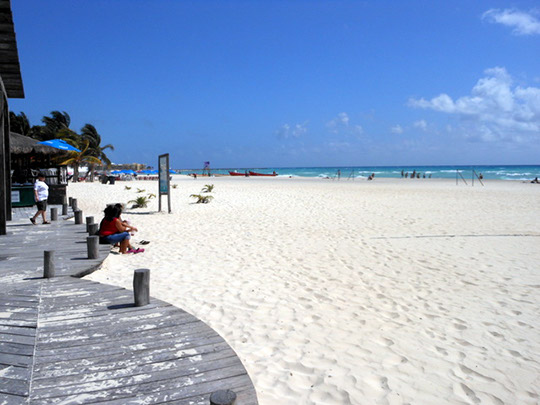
[60,144]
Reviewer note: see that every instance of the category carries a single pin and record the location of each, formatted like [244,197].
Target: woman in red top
[112,230]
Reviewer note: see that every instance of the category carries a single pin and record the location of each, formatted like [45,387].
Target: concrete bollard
[93,229]
[54,214]
[74,204]
[223,397]
[70,201]
[48,264]
[89,221]
[64,199]
[141,287]
[92,244]
[78,217]
[64,209]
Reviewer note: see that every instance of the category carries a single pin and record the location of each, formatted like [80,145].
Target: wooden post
[54,214]
[89,221]
[93,229]
[223,397]
[64,209]
[48,264]
[92,244]
[141,287]
[74,204]
[78,217]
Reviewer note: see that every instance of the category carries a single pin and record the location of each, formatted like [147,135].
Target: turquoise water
[527,172]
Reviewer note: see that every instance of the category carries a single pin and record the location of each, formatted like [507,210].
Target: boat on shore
[237,174]
[263,174]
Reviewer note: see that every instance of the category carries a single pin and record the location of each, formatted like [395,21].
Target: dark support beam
[92,244]
[93,229]
[89,221]
[223,397]
[3,156]
[78,217]
[48,264]
[141,287]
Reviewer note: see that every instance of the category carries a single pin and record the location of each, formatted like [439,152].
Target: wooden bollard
[78,217]
[64,209]
[92,244]
[93,229]
[48,264]
[54,214]
[141,287]
[89,221]
[70,201]
[74,204]
[223,397]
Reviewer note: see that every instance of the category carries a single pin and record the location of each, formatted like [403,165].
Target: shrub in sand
[207,188]
[174,185]
[202,199]
[140,202]
[141,190]
[127,188]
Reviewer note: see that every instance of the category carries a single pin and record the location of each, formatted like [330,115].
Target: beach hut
[28,158]
[11,86]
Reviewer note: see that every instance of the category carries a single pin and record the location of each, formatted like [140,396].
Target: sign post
[164,183]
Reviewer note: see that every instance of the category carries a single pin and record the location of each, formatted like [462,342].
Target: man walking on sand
[41,193]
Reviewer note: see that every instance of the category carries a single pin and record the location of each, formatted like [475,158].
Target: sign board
[164,183]
[16,196]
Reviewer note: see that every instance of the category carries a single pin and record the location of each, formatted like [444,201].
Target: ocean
[522,173]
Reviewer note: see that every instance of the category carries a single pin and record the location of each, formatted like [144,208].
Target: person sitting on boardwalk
[112,230]
[41,193]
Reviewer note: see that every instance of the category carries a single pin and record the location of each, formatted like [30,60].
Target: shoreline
[336,292]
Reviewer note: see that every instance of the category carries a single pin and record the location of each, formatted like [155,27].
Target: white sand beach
[395,291]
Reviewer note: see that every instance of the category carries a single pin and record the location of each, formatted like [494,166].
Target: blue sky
[289,83]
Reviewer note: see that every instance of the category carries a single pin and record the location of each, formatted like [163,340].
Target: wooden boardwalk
[68,340]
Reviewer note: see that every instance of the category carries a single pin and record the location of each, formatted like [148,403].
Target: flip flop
[46,223]
[144,242]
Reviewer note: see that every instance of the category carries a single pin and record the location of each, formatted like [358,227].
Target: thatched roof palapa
[24,145]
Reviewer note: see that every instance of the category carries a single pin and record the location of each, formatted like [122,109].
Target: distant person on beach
[112,230]
[402,173]
[371,176]
[338,174]
[535,180]
[413,175]
[41,194]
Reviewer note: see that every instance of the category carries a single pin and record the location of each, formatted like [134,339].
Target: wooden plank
[91,344]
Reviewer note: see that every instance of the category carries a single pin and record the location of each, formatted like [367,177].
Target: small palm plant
[202,199]
[140,202]
[141,190]
[207,188]
[174,185]
[127,188]
[151,195]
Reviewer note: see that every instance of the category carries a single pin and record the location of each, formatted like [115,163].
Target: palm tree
[76,159]
[90,134]
[19,123]
[58,121]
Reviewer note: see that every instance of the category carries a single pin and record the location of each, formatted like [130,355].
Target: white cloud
[421,124]
[294,131]
[396,129]
[341,121]
[495,109]
[522,22]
